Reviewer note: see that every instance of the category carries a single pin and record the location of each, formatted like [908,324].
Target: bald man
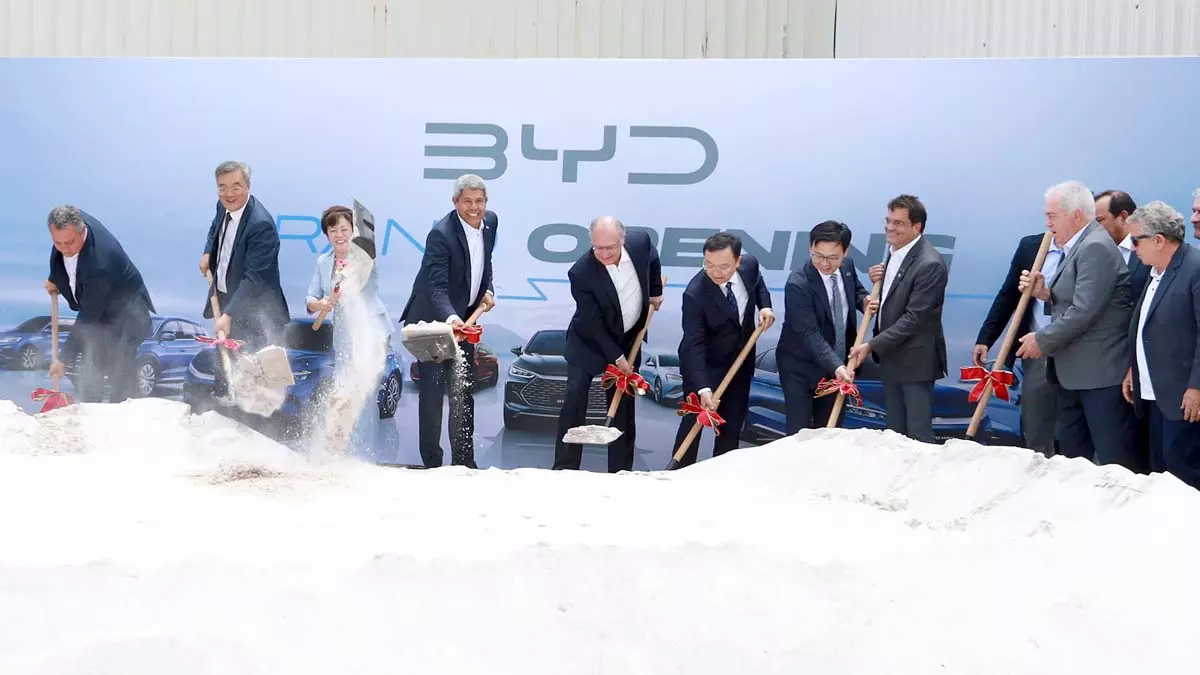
[614,285]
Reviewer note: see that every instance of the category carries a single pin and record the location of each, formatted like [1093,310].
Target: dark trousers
[909,408]
[1039,407]
[574,413]
[1174,446]
[436,379]
[1097,424]
[106,354]
[732,408]
[802,408]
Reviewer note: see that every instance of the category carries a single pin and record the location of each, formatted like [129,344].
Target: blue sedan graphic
[766,419]
[661,370]
[163,357]
[311,355]
[27,346]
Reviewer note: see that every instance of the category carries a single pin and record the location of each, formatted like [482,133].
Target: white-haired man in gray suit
[1087,342]
[1196,213]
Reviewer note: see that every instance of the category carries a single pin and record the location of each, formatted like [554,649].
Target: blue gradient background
[134,142]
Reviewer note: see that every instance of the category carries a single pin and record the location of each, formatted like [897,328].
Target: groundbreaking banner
[681,149]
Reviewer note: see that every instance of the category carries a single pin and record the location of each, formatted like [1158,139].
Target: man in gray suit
[908,342]
[1163,380]
[1088,340]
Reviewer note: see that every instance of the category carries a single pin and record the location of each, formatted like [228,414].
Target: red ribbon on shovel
[1001,380]
[231,345]
[630,384]
[51,399]
[848,389]
[472,334]
[708,418]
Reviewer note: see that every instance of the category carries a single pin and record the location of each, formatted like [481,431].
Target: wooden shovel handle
[863,327]
[216,310]
[54,334]
[637,346]
[321,317]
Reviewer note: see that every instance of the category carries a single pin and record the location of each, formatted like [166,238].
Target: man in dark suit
[91,270]
[1039,397]
[455,277]
[820,324]
[614,284]
[719,306]
[1088,339]
[243,244]
[1163,380]
[908,341]
[1113,208]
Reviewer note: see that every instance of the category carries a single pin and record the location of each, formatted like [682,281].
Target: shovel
[261,379]
[826,387]
[603,435]
[53,398]
[356,267]
[711,417]
[436,340]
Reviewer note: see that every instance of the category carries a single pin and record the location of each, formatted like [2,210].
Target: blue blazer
[806,345]
[443,284]
[713,334]
[595,335]
[253,277]
[1170,335]
[321,286]
[111,294]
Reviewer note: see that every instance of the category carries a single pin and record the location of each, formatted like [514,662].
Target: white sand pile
[849,552]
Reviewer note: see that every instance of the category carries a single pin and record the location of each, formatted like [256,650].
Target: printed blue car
[27,346]
[163,357]
[311,355]
[660,369]
[766,418]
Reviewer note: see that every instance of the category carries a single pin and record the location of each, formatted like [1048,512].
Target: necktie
[730,297]
[839,325]
[224,231]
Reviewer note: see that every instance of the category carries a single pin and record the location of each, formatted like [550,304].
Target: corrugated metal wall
[599,28]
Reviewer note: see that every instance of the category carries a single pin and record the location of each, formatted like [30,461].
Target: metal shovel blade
[592,434]
[364,228]
[433,341]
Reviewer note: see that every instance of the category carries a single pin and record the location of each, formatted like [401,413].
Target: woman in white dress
[337,224]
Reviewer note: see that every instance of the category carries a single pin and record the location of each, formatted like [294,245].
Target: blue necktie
[730,297]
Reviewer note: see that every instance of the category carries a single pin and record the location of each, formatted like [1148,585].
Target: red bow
[51,399]
[471,334]
[706,417]
[630,384]
[1001,380]
[848,389]
[227,343]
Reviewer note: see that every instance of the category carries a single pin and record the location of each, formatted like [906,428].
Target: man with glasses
[719,311]
[614,284]
[1087,341]
[820,324]
[908,340]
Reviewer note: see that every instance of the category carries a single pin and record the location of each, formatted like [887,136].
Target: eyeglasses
[607,249]
[1135,239]
[723,269]
[831,259]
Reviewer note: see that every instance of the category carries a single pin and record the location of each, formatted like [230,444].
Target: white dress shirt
[227,239]
[1140,348]
[893,268]
[629,291]
[742,295]
[833,284]
[476,255]
[1126,247]
[72,264]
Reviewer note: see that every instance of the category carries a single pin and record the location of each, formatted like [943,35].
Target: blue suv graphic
[163,357]
[311,355]
[766,419]
[27,347]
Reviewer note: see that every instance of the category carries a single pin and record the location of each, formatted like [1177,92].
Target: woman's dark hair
[334,213]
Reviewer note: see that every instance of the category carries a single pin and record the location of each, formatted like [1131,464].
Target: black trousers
[732,408]
[1097,424]
[436,380]
[801,406]
[574,413]
[106,353]
[909,408]
[1174,446]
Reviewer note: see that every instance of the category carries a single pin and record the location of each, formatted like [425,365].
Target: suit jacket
[112,300]
[1139,275]
[596,334]
[806,345]
[713,334]
[443,285]
[1091,304]
[252,279]
[1170,337]
[996,323]
[321,286]
[909,343]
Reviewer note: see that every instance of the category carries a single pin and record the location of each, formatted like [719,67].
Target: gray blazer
[909,343]
[1170,335]
[1090,306]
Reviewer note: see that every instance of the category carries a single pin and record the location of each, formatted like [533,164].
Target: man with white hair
[1196,213]
[1163,380]
[1087,341]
